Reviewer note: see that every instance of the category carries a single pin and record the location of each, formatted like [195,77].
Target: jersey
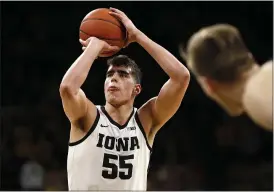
[110,156]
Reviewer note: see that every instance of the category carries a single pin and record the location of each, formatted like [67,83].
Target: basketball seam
[101,37]
[102,20]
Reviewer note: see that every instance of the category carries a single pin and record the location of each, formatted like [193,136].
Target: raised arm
[158,110]
[74,101]
[164,106]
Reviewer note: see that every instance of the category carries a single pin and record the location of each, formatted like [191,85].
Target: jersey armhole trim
[142,130]
[89,131]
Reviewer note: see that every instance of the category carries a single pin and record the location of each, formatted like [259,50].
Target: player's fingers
[113,48]
[119,12]
[84,43]
[117,15]
[114,13]
[116,10]
[81,41]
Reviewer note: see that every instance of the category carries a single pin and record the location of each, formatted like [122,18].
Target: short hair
[218,52]
[123,60]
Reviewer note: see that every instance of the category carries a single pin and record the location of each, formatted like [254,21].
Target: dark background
[200,148]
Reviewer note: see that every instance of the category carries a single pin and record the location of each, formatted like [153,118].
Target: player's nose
[114,77]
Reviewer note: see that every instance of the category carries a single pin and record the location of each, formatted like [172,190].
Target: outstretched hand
[132,31]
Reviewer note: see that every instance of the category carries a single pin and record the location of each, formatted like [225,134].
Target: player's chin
[112,95]
[234,112]
[112,100]
[115,101]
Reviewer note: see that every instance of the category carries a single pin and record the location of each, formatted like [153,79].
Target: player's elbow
[183,75]
[65,89]
[186,75]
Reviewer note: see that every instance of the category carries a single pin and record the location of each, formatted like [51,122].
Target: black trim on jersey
[114,122]
[149,163]
[89,131]
[142,130]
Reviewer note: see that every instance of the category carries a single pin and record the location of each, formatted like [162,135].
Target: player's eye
[123,74]
[109,74]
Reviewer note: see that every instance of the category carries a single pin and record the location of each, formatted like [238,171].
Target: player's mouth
[113,88]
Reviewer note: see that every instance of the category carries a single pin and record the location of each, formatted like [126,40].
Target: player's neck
[119,114]
[232,94]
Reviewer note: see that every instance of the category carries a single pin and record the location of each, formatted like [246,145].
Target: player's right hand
[105,47]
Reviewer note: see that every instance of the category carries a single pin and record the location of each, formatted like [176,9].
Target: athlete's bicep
[258,97]
[76,105]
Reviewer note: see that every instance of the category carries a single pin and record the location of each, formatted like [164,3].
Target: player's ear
[208,84]
[137,89]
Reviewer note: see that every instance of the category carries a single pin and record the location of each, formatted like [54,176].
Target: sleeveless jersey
[110,156]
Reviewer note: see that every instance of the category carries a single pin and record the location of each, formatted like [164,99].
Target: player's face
[120,86]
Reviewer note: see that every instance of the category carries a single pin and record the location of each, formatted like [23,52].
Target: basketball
[99,23]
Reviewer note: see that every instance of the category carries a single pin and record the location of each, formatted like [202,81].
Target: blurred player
[110,145]
[228,73]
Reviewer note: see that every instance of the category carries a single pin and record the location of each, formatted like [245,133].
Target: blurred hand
[93,40]
[132,31]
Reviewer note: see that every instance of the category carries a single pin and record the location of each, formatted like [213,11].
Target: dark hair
[123,60]
[218,52]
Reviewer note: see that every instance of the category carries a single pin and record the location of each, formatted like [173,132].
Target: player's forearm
[172,66]
[78,72]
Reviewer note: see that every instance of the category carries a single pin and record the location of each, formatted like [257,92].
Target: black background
[39,41]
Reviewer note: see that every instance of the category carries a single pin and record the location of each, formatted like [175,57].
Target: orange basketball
[99,23]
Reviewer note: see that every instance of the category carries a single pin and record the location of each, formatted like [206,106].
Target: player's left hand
[132,30]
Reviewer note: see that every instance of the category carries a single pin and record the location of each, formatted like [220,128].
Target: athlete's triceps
[77,107]
[258,97]
[74,105]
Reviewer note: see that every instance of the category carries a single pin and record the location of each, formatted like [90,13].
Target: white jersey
[110,156]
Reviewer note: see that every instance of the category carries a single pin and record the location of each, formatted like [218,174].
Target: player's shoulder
[99,109]
[148,105]
[267,67]
[264,75]
[145,114]
[257,96]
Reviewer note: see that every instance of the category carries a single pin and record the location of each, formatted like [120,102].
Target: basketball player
[228,73]
[110,145]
